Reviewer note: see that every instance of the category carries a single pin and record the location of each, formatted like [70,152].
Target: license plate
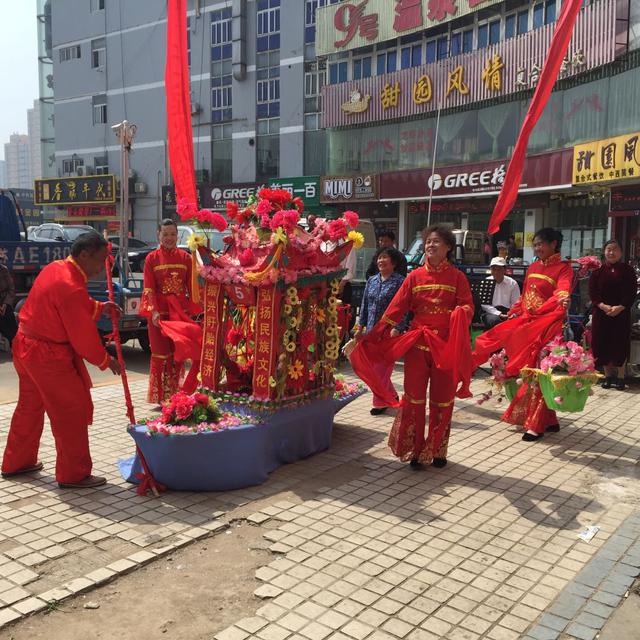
[132,306]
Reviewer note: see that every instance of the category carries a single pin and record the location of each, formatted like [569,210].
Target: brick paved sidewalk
[486,547]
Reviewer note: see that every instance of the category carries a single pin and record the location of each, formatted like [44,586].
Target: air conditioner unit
[88,171]
[79,171]
[195,108]
[140,187]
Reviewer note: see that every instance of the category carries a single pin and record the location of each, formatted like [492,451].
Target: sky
[18,66]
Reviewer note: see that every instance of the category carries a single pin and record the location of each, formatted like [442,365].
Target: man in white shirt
[505,294]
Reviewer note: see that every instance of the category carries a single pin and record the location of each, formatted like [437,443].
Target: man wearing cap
[505,294]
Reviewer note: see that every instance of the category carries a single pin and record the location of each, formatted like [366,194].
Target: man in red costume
[57,331]
[167,296]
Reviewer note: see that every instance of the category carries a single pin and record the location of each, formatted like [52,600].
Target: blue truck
[26,258]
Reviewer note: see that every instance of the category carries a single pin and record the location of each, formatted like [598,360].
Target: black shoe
[531,437]
[439,462]
[619,384]
[606,383]
[30,469]
[376,411]
[415,465]
[554,428]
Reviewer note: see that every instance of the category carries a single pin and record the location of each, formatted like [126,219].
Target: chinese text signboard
[31,214]
[358,23]
[507,67]
[334,189]
[306,187]
[607,160]
[625,199]
[75,191]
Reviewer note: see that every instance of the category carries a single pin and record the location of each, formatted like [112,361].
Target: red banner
[550,70]
[267,336]
[212,341]
[177,90]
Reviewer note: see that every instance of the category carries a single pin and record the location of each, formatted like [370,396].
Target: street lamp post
[125,132]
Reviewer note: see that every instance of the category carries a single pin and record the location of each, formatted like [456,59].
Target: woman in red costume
[535,319]
[166,297]
[436,351]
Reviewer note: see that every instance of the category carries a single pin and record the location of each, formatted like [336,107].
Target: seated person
[505,294]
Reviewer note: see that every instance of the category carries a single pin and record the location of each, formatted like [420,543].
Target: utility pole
[125,132]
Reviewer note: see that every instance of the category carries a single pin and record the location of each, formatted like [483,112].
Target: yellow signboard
[607,160]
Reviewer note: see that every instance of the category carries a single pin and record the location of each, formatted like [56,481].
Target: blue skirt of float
[239,456]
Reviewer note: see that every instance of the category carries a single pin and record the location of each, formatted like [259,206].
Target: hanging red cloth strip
[147,481]
[178,97]
[557,52]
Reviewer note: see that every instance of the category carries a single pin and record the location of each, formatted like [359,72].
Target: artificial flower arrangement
[566,374]
[346,389]
[194,413]
[500,384]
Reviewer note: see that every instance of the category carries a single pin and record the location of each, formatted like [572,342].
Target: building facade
[426,99]
[34,133]
[255,93]
[17,156]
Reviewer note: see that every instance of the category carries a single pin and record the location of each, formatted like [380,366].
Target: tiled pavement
[485,548]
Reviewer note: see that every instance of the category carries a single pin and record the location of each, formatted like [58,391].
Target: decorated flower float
[270,342]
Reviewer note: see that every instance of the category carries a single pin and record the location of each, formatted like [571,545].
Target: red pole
[147,481]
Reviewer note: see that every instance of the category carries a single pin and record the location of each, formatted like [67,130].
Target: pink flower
[291,219]
[264,208]
[186,209]
[337,229]
[265,221]
[246,258]
[352,218]
[212,218]
[558,400]
[232,210]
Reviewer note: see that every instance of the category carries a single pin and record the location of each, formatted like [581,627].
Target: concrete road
[137,368]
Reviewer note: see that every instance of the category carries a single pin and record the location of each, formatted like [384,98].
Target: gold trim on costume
[160,357]
[441,405]
[562,294]
[72,260]
[441,267]
[421,347]
[389,321]
[541,276]
[428,287]
[160,267]
[412,401]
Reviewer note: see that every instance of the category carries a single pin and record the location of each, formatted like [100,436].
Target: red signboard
[545,170]
[508,67]
[625,198]
[93,212]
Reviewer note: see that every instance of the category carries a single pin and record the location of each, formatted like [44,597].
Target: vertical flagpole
[433,164]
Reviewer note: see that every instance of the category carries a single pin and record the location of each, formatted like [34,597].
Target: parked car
[138,251]
[216,238]
[51,231]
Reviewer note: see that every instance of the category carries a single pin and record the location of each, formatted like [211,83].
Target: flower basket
[564,392]
[511,387]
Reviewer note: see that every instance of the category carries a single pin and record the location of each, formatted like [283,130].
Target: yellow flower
[320,316]
[287,309]
[290,347]
[293,322]
[331,330]
[279,236]
[335,286]
[357,238]
[292,292]
[295,370]
[196,240]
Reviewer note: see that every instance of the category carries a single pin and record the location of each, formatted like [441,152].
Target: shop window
[523,22]
[510,26]
[437,49]
[483,36]
[494,32]
[549,11]
[538,15]
[411,56]
[386,62]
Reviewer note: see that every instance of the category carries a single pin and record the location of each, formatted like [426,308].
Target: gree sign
[357,23]
[474,181]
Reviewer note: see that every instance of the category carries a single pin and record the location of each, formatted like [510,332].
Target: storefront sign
[73,190]
[335,189]
[31,214]
[216,197]
[549,169]
[87,213]
[625,199]
[607,160]
[358,23]
[475,205]
[507,67]
[169,200]
[306,187]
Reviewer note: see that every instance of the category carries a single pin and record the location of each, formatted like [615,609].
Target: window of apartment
[523,22]
[310,7]
[312,121]
[98,53]
[268,17]
[99,105]
[268,92]
[70,53]
[70,167]
[315,78]
[97,5]
[510,26]
[268,149]
[362,68]
[386,62]
[221,153]
[221,34]
[437,49]
[221,104]
[549,11]
[538,15]
[461,42]
[101,165]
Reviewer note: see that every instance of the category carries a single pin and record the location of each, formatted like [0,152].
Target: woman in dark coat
[612,289]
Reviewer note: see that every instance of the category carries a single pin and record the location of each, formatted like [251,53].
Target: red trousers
[407,438]
[164,372]
[529,410]
[52,380]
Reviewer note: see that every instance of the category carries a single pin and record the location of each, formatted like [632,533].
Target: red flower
[291,217]
[277,196]
[298,203]
[265,221]
[202,398]
[337,229]
[352,218]
[264,207]
[234,336]
[186,209]
[232,210]
[246,258]
[212,218]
